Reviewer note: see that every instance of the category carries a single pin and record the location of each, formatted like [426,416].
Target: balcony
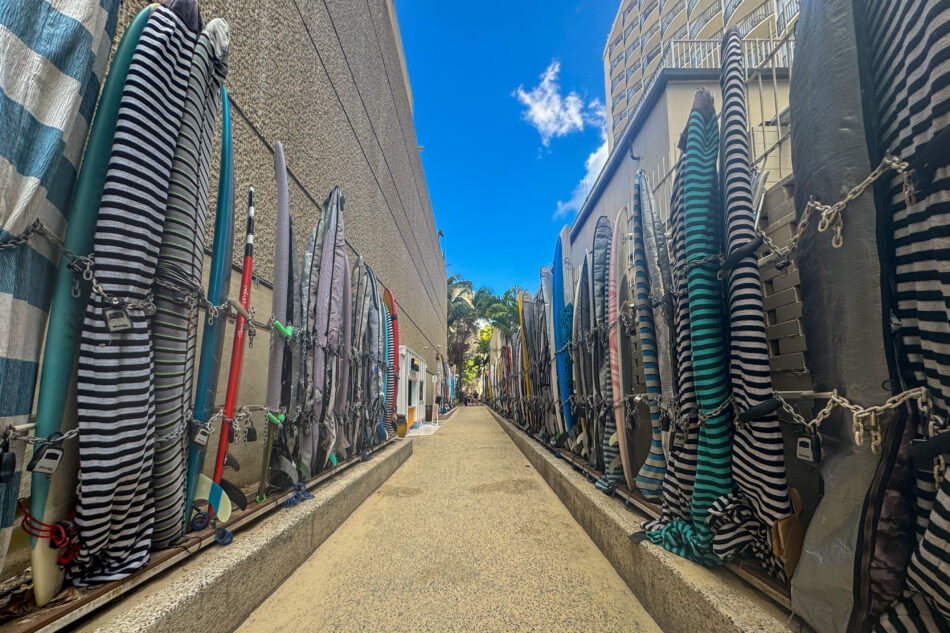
[616,62]
[628,31]
[703,19]
[648,59]
[758,15]
[632,50]
[729,8]
[633,90]
[630,7]
[620,117]
[787,11]
[645,39]
[618,102]
[669,17]
[613,46]
[632,72]
[615,82]
[647,12]
[690,5]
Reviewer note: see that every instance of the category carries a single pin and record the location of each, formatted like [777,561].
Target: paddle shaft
[237,351]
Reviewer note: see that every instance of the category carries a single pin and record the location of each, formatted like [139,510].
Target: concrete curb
[681,596]
[219,588]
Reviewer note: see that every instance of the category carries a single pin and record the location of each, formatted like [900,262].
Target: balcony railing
[632,50]
[668,18]
[620,117]
[616,101]
[613,46]
[787,10]
[615,63]
[703,19]
[647,10]
[759,15]
[615,82]
[632,71]
[690,5]
[628,31]
[730,8]
[630,7]
[646,36]
[650,57]
[632,91]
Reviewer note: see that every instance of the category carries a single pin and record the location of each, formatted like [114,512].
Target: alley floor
[465,536]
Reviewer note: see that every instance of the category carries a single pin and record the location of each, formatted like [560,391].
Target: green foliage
[466,308]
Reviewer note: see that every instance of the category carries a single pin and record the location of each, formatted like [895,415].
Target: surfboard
[343,438]
[606,427]
[581,358]
[175,323]
[212,337]
[563,315]
[53,497]
[618,289]
[275,361]
[649,479]
[390,302]
[550,361]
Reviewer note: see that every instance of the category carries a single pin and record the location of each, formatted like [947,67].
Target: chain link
[725,404]
[831,214]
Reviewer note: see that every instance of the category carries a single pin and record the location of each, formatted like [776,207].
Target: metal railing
[758,15]
[615,82]
[614,63]
[645,13]
[632,92]
[630,7]
[628,31]
[787,10]
[703,19]
[729,8]
[668,18]
[633,48]
[648,59]
[646,36]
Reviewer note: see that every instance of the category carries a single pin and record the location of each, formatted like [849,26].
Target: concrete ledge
[680,595]
[216,590]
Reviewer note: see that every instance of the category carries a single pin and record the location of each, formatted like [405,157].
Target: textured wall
[326,79]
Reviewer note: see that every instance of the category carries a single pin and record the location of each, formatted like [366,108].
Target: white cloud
[554,114]
[593,165]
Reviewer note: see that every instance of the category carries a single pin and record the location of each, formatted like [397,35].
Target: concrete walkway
[465,536]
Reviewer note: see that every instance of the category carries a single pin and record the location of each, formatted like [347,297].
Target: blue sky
[508,103]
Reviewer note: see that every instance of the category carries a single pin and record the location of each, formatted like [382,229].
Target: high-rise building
[649,35]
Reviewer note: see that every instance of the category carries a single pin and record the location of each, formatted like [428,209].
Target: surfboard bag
[904,59]
[845,320]
[115,508]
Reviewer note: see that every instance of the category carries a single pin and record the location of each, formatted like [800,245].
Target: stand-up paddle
[237,352]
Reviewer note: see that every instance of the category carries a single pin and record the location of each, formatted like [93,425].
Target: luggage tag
[46,458]
[808,447]
[678,439]
[117,320]
[201,435]
[7,463]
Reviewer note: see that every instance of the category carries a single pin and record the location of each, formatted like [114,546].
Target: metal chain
[725,404]
[831,214]
[865,419]
[15,436]
[681,273]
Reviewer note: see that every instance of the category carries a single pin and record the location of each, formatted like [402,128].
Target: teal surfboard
[52,497]
[212,342]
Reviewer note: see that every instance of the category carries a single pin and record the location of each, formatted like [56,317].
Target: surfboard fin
[215,495]
[235,494]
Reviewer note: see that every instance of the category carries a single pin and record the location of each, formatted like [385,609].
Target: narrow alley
[465,536]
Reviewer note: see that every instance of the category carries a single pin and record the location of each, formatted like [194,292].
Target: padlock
[808,447]
[7,463]
[201,435]
[250,434]
[46,458]
[117,320]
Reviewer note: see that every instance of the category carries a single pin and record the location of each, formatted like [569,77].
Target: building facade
[649,35]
